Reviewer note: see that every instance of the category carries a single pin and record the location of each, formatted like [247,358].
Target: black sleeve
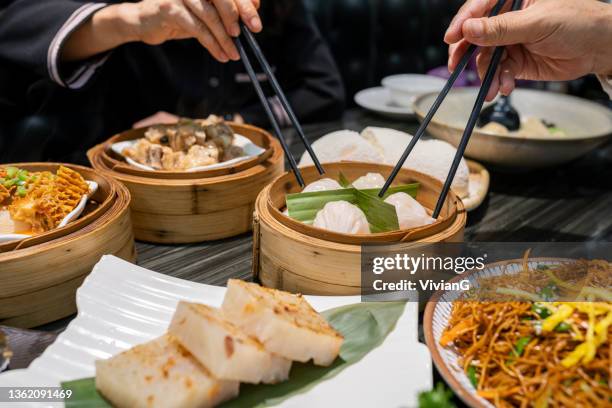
[307,71]
[32,33]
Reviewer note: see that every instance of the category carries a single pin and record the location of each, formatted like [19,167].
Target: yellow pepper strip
[596,336]
[563,312]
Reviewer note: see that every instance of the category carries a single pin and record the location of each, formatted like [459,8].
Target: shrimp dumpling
[410,213]
[343,217]
[322,185]
[370,180]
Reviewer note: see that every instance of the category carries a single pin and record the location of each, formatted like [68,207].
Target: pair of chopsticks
[469,128]
[250,39]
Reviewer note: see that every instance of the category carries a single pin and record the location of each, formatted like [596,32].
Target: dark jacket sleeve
[307,71]
[33,31]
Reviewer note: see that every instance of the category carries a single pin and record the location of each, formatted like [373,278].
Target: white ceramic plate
[379,100]
[250,150]
[121,304]
[73,215]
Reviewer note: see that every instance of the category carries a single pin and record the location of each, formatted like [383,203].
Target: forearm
[107,29]
[603,27]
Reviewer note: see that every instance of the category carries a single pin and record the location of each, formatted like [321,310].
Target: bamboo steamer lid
[184,207]
[296,257]
[40,275]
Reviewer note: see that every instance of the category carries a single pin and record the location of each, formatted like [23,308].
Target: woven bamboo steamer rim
[181,210]
[54,262]
[180,196]
[309,262]
[103,197]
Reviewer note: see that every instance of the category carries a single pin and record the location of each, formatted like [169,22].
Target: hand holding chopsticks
[266,104]
[484,89]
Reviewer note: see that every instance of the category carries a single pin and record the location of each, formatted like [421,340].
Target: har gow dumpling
[370,180]
[410,213]
[343,217]
[322,185]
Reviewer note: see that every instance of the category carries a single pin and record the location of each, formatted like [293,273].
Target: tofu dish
[207,352]
[185,145]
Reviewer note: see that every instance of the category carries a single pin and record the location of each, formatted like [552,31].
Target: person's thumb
[505,29]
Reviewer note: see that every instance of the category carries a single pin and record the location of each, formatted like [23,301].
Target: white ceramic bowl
[586,124]
[404,88]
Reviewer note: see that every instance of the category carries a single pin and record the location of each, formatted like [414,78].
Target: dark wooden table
[569,203]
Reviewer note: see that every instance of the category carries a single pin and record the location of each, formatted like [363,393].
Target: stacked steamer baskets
[183,207]
[296,257]
[40,274]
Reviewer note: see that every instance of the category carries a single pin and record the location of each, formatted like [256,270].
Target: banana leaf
[363,325]
[305,206]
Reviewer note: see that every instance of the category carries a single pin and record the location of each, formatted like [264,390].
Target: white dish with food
[404,88]
[378,100]
[187,146]
[13,225]
[121,305]
[250,150]
[546,345]
[579,127]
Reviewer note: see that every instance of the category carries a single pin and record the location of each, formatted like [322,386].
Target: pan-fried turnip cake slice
[227,351]
[160,373]
[285,323]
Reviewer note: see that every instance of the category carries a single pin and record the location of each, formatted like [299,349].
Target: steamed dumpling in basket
[382,145]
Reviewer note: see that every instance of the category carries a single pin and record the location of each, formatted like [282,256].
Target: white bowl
[404,88]
[586,125]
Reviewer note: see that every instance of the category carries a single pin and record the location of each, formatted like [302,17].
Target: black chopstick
[434,108]
[281,95]
[469,128]
[265,103]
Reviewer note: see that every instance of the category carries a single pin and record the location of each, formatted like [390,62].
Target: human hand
[545,40]
[212,22]
[159,118]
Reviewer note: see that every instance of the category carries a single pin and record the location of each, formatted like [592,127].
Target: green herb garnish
[439,397]
[541,311]
[563,327]
[473,377]
[549,292]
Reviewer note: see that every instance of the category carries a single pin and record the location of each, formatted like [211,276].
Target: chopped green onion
[473,377]
[11,171]
[541,311]
[520,346]
[563,327]
[22,191]
[549,292]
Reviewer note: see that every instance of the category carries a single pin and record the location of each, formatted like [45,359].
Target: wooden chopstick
[434,108]
[469,128]
[266,105]
[250,38]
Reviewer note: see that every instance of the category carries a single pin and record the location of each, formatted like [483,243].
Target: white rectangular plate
[121,304]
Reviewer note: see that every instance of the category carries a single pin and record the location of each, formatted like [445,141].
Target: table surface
[568,203]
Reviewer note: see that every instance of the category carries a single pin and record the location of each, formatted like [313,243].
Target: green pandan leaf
[305,206]
[364,327]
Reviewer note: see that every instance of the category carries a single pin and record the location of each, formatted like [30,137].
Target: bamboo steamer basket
[299,258]
[41,274]
[184,207]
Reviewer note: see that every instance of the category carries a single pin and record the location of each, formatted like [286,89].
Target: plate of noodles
[35,202]
[540,337]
